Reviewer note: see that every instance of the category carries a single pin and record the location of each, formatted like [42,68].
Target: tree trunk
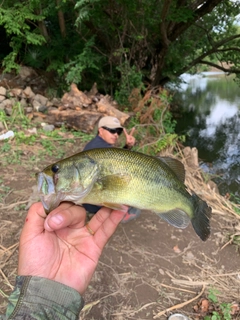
[61,19]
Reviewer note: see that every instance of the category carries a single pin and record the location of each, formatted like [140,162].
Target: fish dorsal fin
[176,218]
[176,166]
[113,181]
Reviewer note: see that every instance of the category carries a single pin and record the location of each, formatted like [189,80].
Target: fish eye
[55,168]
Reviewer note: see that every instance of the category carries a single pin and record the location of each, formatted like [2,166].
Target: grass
[4,190]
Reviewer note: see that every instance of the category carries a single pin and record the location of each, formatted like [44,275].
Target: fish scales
[144,188]
[113,177]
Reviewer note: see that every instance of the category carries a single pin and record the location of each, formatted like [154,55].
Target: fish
[113,177]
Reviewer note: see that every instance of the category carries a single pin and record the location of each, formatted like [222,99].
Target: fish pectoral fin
[114,206]
[176,218]
[114,181]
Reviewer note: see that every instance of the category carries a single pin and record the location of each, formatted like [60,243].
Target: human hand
[130,140]
[61,247]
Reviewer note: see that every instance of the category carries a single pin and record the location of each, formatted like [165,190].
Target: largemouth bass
[113,177]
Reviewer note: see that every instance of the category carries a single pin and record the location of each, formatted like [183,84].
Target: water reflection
[210,104]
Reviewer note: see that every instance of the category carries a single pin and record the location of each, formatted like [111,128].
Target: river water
[210,119]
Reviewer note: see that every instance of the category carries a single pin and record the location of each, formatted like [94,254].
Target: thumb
[34,222]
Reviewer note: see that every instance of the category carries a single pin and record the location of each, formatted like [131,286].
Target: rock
[41,99]
[48,127]
[3,91]
[27,73]
[42,109]
[24,103]
[32,130]
[77,109]
[2,98]
[8,111]
[28,93]
[7,103]
[15,92]
[36,105]
[29,109]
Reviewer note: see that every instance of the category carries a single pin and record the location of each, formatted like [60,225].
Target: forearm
[40,298]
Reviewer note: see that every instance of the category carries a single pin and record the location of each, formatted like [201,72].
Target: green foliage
[14,19]
[84,10]
[5,147]
[87,59]
[130,79]
[117,43]
[212,295]
[18,116]
[223,310]
[21,137]
[235,199]
[4,190]
[182,14]
[3,118]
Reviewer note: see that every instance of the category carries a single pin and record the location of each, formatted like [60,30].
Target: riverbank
[149,269]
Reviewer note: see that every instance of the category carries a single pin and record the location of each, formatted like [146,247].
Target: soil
[148,270]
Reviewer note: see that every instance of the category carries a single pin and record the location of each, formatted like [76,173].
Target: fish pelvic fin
[201,217]
[176,218]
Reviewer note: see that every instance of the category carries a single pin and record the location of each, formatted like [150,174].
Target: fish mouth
[45,184]
[46,189]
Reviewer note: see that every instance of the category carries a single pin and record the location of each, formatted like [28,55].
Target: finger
[132,131]
[101,216]
[108,227]
[34,222]
[125,132]
[66,215]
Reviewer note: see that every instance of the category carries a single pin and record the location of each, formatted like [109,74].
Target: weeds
[222,311]
[4,190]
[236,199]
[18,116]
[154,121]
[3,118]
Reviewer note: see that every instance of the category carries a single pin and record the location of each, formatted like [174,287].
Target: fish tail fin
[201,218]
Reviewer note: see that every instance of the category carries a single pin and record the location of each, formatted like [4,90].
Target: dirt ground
[148,270]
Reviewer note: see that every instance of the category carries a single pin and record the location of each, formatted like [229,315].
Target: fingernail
[57,219]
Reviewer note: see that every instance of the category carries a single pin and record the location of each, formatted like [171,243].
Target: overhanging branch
[232,70]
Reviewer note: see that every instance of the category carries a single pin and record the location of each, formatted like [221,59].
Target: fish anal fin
[114,206]
[176,218]
[176,166]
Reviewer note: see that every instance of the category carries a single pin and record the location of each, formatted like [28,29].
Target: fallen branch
[174,288]
[180,305]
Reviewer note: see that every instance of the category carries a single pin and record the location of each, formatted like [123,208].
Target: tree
[116,43]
